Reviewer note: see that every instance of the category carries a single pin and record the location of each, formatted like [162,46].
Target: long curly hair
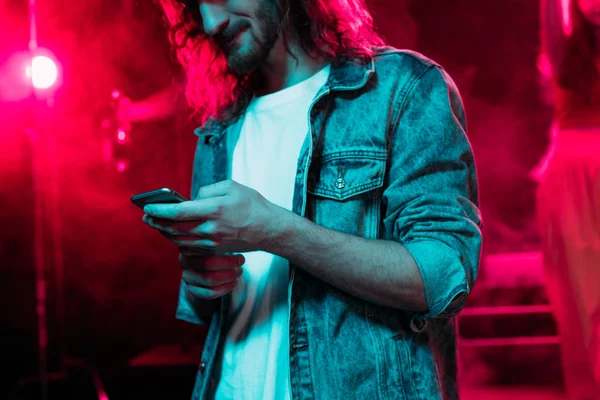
[335,30]
[578,69]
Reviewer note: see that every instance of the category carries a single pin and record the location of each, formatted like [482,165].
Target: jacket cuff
[185,309]
[444,279]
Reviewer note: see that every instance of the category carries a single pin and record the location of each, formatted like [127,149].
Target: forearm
[382,272]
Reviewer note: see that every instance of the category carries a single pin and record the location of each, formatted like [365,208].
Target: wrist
[279,231]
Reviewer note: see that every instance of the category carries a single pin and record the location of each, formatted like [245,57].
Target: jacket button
[340,183]
[202,366]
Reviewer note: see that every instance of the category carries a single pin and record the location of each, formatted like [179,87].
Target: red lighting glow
[121,135]
[15,77]
[122,166]
[566,14]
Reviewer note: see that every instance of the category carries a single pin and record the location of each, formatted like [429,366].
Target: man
[342,172]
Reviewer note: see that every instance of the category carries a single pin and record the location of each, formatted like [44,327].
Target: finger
[189,252]
[187,210]
[193,244]
[211,263]
[168,236]
[210,279]
[215,190]
[181,228]
[212,293]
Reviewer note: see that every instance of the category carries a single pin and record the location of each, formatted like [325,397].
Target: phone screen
[159,196]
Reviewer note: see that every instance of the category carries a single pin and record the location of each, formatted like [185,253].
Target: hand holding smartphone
[158,196]
[207,276]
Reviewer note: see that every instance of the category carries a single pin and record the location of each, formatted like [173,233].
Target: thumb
[216,189]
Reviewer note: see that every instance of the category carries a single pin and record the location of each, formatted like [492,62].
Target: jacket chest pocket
[344,192]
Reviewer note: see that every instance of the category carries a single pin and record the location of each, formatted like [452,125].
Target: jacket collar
[346,75]
[350,75]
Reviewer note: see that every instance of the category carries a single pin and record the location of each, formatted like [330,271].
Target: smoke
[121,277]
[125,273]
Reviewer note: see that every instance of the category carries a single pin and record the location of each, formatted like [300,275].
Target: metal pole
[32,26]
[38,170]
[39,255]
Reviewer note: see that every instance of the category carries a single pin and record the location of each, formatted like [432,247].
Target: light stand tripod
[48,246]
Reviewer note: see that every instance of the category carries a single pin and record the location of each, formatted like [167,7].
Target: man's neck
[282,70]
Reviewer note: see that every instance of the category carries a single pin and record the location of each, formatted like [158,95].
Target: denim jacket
[386,157]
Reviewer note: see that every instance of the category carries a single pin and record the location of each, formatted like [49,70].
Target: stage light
[43,72]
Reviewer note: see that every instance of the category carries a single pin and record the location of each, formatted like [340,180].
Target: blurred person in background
[569,188]
[334,229]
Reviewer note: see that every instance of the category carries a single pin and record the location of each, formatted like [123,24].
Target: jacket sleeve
[199,312]
[431,200]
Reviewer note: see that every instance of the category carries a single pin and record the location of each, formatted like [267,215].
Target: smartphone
[158,196]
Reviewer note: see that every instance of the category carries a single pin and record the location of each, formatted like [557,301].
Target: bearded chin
[245,64]
[242,62]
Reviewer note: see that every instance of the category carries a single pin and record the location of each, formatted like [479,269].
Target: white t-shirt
[255,356]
